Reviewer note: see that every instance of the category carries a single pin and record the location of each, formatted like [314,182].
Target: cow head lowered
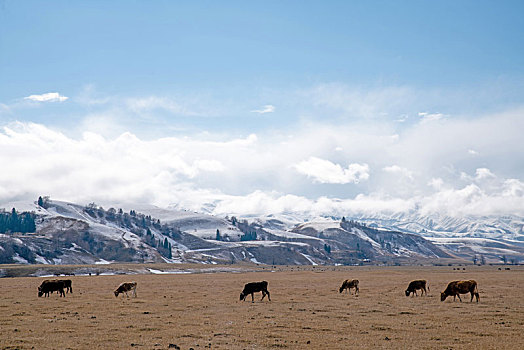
[254,287]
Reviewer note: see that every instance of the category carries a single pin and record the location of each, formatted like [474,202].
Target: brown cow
[126,287]
[456,288]
[349,284]
[417,284]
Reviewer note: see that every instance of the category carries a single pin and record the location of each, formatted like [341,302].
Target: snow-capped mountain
[492,239]
[68,233]
[436,225]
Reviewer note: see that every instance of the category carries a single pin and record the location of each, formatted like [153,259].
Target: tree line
[140,224]
[11,222]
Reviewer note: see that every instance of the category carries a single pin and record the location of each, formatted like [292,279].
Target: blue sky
[137,47]
[266,74]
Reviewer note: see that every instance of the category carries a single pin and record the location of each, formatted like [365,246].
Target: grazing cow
[68,285]
[254,287]
[349,284]
[126,287]
[456,288]
[417,284]
[49,286]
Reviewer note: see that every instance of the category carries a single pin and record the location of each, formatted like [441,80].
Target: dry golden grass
[306,312]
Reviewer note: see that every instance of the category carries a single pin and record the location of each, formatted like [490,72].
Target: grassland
[202,311]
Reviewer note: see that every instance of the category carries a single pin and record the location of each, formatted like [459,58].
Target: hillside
[68,233]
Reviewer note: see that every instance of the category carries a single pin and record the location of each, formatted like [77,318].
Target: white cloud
[513,188]
[395,169]
[271,171]
[324,171]
[209,165]
[48,97]
[436,183]
[430,117]
[95,167]
[402,119]
[265,109]
[142,104]
[483,173]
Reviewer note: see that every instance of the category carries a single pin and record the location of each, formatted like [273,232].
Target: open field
[306,312]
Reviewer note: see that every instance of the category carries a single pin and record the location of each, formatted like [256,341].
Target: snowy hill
[494,239]
[68,233]
[435,225]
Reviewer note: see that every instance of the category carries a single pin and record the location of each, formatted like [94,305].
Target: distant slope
[68,233]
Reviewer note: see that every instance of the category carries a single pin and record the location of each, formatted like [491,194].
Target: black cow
[50,286]
[68,285]
[456,288]
[255,287]
[417,284]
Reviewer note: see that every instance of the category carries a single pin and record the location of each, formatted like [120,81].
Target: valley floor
[306,311]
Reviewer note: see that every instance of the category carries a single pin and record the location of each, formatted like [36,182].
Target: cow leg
[134,292]
[263,295]
[424,291]
[356,291]
[459,297]
[252,297]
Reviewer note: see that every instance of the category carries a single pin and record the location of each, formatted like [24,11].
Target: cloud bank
[321,168]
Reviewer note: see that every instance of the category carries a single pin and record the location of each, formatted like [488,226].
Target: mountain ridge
[68,233]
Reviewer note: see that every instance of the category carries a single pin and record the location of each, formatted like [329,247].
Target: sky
[267,107]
